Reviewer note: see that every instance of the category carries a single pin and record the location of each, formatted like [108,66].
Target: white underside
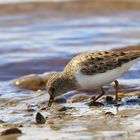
[101,79]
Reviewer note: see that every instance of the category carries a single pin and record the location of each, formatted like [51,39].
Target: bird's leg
[102,93]
[116,87]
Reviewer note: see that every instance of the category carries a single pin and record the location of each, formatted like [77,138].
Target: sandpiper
[91,70]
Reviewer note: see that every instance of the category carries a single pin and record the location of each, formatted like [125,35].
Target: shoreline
[80,7]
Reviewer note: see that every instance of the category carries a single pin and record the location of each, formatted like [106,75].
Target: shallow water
[42,37]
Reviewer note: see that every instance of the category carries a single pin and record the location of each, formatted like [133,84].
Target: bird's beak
[51,100]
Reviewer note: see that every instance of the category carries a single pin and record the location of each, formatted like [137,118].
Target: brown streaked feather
[100,62]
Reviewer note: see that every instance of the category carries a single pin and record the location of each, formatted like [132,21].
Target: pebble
[49,122]
[92,103]
[81,98]
[133,101]
[55,127]
[109,99]
[109,113]
[72,101]
[10,131]
[43,108]
[40,118]
[121,94]
[30,110]
[60,100]
[92,98]
[1,121]
[63,108]
[60,108]
[6,125]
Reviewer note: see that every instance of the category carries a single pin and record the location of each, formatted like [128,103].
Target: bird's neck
[69,81]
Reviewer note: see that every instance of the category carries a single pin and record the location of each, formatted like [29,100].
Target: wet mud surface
[74,116]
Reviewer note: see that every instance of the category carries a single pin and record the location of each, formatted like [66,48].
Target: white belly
[101,79]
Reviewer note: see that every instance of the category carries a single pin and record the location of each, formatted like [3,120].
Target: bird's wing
[100,62]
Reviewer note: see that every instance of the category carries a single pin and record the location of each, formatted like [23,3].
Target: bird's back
[100,61]
[95,69]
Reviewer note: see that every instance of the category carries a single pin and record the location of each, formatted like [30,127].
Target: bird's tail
[137,53]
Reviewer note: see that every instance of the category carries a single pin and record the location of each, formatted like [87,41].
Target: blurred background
[37,36]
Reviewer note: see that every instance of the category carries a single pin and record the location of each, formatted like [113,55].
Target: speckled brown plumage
[99,62]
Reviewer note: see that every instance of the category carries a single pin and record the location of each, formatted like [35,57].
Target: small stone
[63,108]
[11,131]
[118,104]
[81,98]
[7,125]
[92,98]
[1,121]
[40,118]
[60,100]
[109,114]
[121,94]
[30,110]
[109,99]
[92,103]
[43,108]
[72,101]
[133,101]
[124,116]
[55,127]
[49,122]
[28,115]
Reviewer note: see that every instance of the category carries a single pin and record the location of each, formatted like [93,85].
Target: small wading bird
[91,70]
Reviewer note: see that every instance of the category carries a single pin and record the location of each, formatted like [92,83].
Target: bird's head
[56,86]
